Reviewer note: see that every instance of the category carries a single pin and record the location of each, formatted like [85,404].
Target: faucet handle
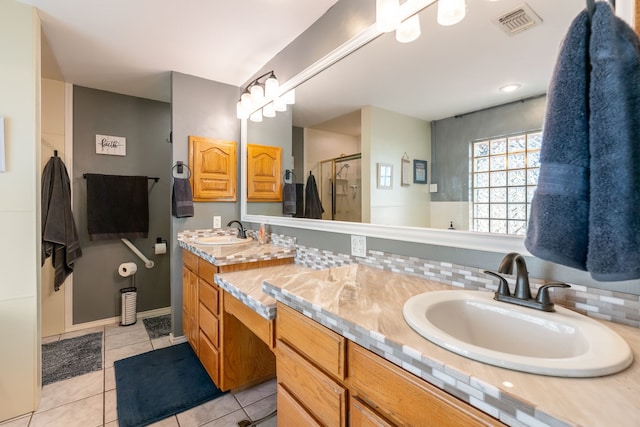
[543,297]
[503,288]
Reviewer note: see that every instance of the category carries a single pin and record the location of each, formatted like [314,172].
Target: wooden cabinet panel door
[264,173]
[214,169]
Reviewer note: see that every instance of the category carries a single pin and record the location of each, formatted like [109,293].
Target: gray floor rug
[71,357]
[157,327]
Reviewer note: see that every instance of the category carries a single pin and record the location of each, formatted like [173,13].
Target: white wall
[20,370]
[386,137]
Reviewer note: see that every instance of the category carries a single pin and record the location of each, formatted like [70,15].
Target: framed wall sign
[405,171]
[111,145]
[419,171]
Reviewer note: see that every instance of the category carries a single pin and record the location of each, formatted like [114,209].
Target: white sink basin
[222,240]
[474,325]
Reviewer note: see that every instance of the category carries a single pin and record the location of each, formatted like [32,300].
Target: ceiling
[130,47]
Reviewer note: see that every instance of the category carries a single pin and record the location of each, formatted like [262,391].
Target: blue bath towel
[614,145]
[559,221]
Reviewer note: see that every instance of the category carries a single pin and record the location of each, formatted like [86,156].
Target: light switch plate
[433,188]
[217,222]
[358,246]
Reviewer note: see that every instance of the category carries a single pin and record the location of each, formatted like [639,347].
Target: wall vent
[517,20]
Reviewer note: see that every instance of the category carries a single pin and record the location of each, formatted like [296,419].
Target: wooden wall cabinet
[324,379]
[213,169]
[264,173]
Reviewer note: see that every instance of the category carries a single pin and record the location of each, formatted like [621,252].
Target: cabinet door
[213,167]
[190,307]
[264,173]
[210,358]
[291,413]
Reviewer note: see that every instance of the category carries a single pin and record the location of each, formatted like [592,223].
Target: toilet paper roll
[127,269]
[160,248]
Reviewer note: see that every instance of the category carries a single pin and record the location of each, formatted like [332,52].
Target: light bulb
[241,113]
[409,30]
[271,86]
[450,12]
[257,94]
[269,110]
[387,15]
[256,116]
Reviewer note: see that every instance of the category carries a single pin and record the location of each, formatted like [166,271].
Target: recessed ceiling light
[510,87]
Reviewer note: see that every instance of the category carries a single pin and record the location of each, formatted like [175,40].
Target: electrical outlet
[217,222]
[358,246]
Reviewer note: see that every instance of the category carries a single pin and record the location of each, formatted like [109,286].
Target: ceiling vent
[517,20]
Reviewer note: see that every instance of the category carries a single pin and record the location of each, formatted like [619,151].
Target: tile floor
[90,400]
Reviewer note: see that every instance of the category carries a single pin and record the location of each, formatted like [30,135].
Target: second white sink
[473,324]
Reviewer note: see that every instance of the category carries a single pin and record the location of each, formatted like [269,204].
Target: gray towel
[182,198]
[59,234]
[559,221]
[312,204]
[614,134]
[289,199]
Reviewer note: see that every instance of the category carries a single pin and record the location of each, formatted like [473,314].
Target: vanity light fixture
[510,87]
[263,94]
[387,15]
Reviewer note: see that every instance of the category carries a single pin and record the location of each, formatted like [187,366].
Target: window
[504,177]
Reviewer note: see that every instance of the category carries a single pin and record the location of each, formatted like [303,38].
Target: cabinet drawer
[190,260]
[209,296]
[323,397]
[404,398]
[291,413]
[209,325]
[210,358]
[206,270]
[360,415]
[257,324]
[323,346]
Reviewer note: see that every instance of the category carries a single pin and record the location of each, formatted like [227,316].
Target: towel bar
[155,178]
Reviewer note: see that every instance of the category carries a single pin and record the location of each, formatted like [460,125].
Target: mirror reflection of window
[385,172]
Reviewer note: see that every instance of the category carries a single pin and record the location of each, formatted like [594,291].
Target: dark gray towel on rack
[289,199]
[182,198]
[312,204]
[59,234]
[558,225]
[614,131]
[117,206]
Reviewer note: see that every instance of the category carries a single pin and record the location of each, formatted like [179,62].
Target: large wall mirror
[420,107]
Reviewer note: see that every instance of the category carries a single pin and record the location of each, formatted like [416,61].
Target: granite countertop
[246,286]
[364,304]
[232,254]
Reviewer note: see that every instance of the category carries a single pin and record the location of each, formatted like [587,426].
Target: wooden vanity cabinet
[324,379]
[234,355]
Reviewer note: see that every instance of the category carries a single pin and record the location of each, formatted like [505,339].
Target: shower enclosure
[340,188]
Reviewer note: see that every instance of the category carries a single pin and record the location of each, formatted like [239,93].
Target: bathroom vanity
[233,342]
[373,369]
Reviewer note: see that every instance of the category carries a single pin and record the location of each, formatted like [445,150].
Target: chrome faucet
[242,232]
[522,292]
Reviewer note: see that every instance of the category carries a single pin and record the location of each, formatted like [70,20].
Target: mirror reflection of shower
[340,188]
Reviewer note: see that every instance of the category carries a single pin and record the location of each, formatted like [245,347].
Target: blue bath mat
[155,385]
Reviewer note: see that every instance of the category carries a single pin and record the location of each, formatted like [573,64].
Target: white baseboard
[110,321]
[177,340]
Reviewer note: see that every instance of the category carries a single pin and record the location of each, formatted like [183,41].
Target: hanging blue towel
[559,221]
[614,144]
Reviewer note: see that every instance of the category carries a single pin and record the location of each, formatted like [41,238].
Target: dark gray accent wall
[146,125]
[451,141]
[204,108]
[297,149]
